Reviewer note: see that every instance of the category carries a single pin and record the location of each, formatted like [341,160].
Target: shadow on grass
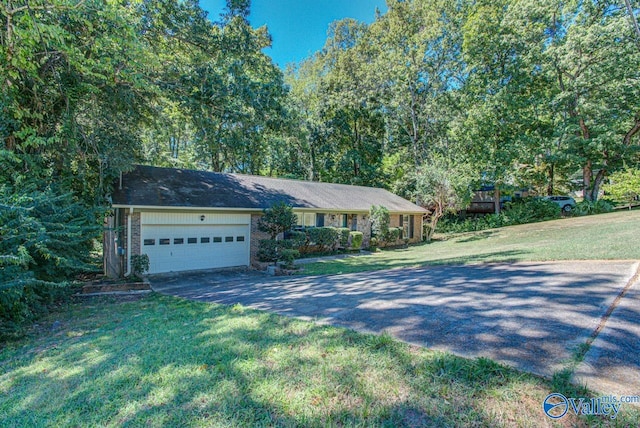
[401,260]
[475,236]
[168,362]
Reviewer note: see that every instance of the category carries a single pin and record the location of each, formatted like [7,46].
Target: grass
[163,361]
[598,237]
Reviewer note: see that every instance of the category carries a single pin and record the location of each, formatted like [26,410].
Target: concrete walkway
[612,364]
[528,315]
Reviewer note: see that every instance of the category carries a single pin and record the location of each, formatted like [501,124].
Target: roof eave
[318,210]
[183,208]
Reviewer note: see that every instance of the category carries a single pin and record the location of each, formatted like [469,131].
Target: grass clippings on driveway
[600,237]
[163,361]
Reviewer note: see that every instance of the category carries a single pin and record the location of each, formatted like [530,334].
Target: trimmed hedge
[324,237]
[343,234]
[277,250]
[394,235]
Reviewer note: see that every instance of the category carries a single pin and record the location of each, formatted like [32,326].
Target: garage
[194,240]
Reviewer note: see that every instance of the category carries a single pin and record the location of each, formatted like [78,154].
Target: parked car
[566,203]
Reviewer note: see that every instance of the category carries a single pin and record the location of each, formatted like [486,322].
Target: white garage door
[190,241]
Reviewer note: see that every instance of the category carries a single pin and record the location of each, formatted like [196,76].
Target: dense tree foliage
[91,87]
[624,186]
[530,93]
[540,94]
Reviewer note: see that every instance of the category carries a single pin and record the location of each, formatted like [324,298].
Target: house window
[165,241]
[192,240]
[354,221]
[228,239]
[306,219]
[345,221]
[239,238]
[404,223]
[411,226]
[319,220]
[178,241]
[149,242]
[205,240]
[401,225]
[217,239]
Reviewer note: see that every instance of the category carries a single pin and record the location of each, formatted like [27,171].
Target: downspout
[129,219]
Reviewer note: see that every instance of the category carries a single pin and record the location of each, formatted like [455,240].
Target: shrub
[356,240]
[324,237]
[46,237]
[277,250]
[379,222]
[298,238]
[624,186]
[373,244]
[21,305]
[287,256]
[277,219]
[520,211]
[393,235]
[530,210]
[139,264]
[493,221]
[268,250]
[343,235]
[590,207]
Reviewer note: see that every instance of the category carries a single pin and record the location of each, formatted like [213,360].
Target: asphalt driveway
[528,315]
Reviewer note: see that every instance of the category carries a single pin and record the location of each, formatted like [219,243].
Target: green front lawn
[605,236]
[163,361]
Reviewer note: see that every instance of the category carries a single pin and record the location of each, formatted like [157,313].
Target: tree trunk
[551,180]
[587,169]
[633,131]
[587,174]
[596,184]
[435,215]
[496,199]
[111,260]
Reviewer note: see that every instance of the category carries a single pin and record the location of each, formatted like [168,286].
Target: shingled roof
[170,187]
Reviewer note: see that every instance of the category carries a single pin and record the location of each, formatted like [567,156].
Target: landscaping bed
[110,286]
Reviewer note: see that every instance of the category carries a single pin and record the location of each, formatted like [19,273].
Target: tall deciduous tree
[443,187]
[414,72]
[589,50]
[343,130]
[74,91]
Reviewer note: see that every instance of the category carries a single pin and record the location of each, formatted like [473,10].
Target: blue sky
[299,27]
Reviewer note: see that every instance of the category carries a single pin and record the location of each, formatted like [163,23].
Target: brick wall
[417,228]
[333,220]
[364,226]
[135,236]
[394,221]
